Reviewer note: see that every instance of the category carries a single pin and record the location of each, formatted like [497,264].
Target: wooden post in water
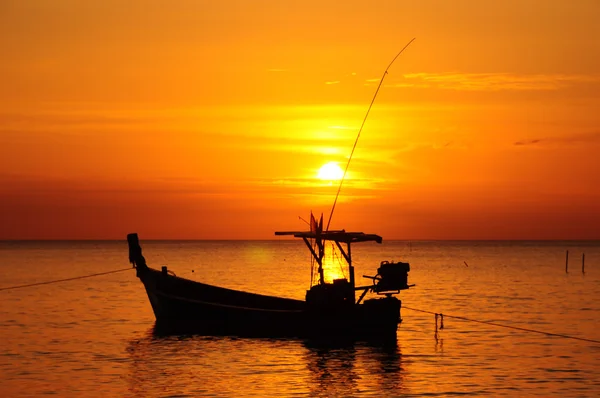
[583,263]
[567,263]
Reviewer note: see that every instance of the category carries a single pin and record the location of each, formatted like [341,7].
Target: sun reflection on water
[334,265]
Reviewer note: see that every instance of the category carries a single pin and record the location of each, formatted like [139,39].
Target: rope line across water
[405,307]
[66,279]
[505,326]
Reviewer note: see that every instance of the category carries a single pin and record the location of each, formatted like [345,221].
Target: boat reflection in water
[350,368]
[192,365]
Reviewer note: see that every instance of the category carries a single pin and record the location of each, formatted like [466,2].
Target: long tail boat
[330,309]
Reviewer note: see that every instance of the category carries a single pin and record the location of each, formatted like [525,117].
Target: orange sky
[210,120]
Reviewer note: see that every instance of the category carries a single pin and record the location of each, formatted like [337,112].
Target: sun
[330,171]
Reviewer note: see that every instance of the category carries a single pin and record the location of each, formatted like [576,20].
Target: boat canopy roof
[336,236]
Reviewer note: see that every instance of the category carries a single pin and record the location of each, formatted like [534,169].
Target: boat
[330,309]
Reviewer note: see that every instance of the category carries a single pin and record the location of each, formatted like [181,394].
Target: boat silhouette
[331,309]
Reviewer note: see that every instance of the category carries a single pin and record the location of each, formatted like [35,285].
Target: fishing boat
[330,309]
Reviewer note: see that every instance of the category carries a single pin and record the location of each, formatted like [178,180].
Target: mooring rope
[566,336]
[442,315]
[66,279]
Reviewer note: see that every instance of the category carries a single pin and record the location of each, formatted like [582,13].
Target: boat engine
[391,277]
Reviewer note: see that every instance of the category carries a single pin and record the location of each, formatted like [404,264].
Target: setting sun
[330,171]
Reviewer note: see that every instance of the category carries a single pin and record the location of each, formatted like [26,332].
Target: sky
[211,120]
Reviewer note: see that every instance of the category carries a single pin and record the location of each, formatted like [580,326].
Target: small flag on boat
[316,227]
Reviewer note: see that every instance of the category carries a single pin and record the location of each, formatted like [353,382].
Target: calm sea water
[93,337]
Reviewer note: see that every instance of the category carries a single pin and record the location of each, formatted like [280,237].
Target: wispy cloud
[528,142]
[494,81]
[581,138]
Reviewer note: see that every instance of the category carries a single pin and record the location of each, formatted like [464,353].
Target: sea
[516,322]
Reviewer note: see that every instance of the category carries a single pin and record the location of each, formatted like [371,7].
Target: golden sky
[210,119]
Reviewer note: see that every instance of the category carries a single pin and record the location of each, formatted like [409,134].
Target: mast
[351,272]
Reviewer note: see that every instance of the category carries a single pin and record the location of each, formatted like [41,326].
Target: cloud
[528,142]
[494,81]
[333,82]
[581,138]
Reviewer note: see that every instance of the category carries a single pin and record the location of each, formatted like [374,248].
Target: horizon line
[292,239]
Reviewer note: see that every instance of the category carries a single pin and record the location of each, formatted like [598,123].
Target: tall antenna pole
[360,130]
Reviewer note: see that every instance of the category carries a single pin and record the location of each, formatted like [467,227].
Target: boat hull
[184,306]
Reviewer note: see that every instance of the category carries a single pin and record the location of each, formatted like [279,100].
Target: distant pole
[583,263]
[567,263]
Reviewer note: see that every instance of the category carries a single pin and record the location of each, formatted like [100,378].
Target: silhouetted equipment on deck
[391,277]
